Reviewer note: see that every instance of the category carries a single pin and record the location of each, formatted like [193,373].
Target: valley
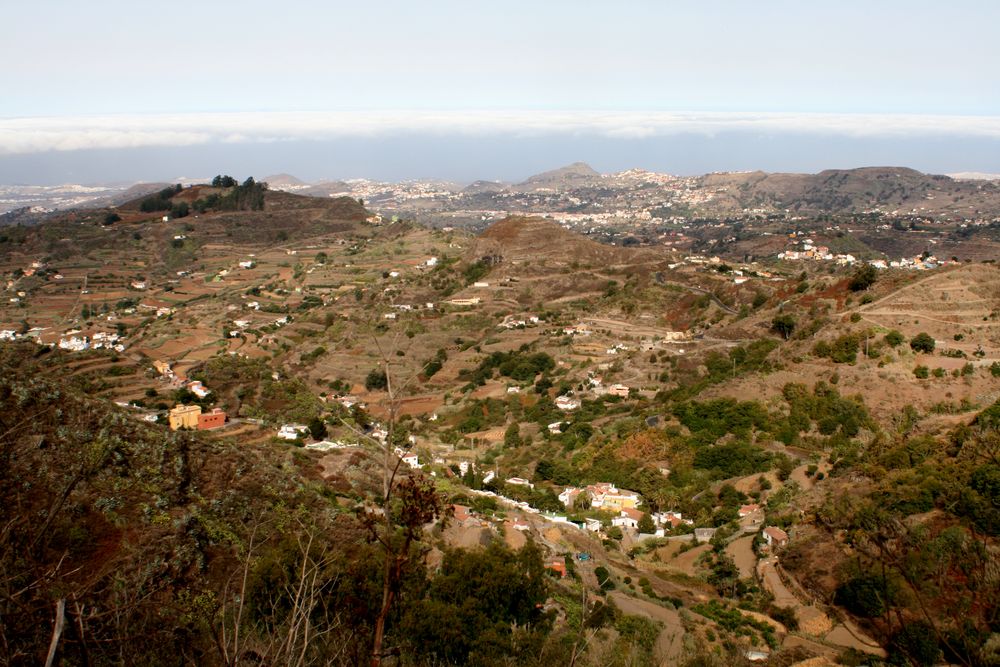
[704,451]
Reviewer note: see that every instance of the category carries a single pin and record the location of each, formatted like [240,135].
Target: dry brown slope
[520,239]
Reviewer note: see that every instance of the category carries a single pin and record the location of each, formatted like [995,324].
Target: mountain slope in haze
[850,190]
[573,175]
[279,181]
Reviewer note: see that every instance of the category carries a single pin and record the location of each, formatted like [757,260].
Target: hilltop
[573,175]
[521,239]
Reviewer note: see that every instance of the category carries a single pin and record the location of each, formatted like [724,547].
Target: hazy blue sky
[119,82]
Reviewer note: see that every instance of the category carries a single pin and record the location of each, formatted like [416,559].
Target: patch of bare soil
[741,551]
[685,562]
[670,640]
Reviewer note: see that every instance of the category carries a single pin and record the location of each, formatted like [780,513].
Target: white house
[670,519]
[520,481]
[519,524]
[627,518]
[198,389]
[292,431]
[619,390]
[567,403]
[775,537]
[607,496]
[74,343]
[409,458]
[568,496]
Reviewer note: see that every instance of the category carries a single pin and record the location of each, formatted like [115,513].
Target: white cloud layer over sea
[28,135]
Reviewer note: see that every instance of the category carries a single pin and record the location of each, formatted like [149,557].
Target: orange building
[213,419]
[557,564]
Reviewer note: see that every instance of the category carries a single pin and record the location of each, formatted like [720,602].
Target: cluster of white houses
[603,496]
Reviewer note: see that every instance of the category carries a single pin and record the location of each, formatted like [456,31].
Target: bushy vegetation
[188,540]
[521,365]
[161,201]
[248,196]
[863,278]
[842,350]
[922,342]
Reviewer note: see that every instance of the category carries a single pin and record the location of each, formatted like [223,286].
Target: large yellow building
[184,416]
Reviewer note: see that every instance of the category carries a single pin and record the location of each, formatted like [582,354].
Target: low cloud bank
[42,134]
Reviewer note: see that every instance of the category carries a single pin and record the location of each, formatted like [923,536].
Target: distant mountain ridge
[579,188]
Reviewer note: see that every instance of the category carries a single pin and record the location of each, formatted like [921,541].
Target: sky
[112,90]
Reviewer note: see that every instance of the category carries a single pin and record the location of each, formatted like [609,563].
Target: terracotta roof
[632,513]
[776,533]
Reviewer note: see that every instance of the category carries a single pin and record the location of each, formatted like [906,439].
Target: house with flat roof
[184,416]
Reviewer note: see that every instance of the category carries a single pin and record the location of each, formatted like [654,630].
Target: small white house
[292,431]
[409,458]
[628,518]
[567,403]
[198,389]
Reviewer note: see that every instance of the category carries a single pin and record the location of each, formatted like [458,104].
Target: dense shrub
[922,342]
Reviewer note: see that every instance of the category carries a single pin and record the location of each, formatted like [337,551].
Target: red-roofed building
[518,524]
[557,564]
[775,537]
[461,513]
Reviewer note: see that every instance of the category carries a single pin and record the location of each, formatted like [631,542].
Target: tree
[604,579]
[396,519]
[922,342]
[863,278]
[223,182]
[317,428]
[894,338]
[376,380]
[646,524]
[783,325]
[512,436]
[481,608]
